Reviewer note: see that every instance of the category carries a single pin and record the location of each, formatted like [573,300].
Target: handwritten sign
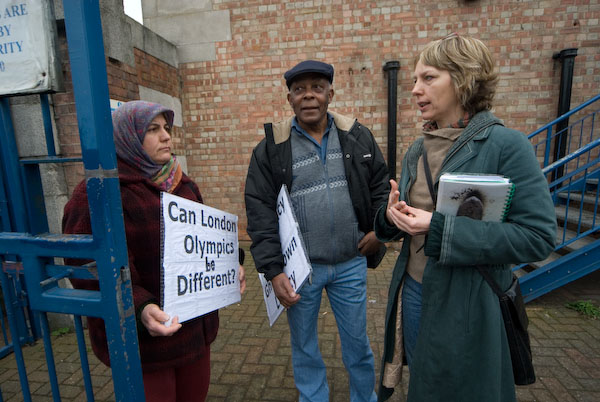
[295,260]
[199,254]
[28,63]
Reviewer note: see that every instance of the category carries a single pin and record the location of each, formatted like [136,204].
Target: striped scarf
[169,176]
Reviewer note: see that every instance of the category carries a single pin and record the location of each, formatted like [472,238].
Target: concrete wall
[193,26]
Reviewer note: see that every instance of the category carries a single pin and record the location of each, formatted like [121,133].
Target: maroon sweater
[141,214]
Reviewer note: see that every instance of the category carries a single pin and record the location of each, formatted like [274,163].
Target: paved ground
[251,361]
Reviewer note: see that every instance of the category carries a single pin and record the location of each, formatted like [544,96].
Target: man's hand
[242,278]
[153,319]
[284,290]
[369,244]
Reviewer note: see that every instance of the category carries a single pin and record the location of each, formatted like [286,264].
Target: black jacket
[271,166]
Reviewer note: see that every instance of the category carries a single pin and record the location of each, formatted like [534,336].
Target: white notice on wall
[27,49]
[295,259]
[199,256]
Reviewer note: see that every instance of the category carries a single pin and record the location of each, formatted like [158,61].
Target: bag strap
[429,178]
[488,278]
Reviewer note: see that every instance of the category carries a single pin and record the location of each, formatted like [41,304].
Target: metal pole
[392,67]
[90,87]
[567,58]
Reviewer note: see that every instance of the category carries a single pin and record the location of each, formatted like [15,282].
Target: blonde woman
[443,319]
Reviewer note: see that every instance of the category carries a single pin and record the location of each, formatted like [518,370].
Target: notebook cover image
[494,191]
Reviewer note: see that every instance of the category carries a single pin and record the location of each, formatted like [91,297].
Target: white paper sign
[295,259]
[199,258]
[27,59]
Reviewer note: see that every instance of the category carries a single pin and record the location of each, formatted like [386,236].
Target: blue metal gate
[29,275]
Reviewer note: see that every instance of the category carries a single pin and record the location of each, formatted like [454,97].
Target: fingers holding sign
[242,278]
[154,320]
[284,291]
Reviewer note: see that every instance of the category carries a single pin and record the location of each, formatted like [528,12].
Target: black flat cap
[309,66]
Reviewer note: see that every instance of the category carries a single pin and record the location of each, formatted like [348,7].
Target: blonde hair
[471,67]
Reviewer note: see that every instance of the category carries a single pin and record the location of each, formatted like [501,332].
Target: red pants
[182,384]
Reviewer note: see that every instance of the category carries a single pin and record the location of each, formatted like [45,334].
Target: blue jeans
[411,315]
[346,286]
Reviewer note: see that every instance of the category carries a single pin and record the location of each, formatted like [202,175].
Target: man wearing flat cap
[337,179]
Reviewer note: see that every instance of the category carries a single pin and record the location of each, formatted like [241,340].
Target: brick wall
[226,101]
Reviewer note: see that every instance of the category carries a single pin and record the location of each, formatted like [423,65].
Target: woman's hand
[242,279]
[411,220]
[154,318]
[393,199]
[394,204]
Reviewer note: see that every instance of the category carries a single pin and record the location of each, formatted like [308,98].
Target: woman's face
[157,142]
[435,95]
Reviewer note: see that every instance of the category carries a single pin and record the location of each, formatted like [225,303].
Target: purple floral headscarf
[130,123]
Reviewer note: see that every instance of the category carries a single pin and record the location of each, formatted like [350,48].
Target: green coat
[462,353]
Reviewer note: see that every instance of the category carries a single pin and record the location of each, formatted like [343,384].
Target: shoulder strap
[429,178]
[488,278]
[274,156]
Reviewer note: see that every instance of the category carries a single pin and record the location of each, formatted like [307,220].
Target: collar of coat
[281,130]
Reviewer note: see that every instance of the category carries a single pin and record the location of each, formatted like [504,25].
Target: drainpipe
[392,67]
[567,58]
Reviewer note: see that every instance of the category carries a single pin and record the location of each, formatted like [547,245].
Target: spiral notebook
[494,191]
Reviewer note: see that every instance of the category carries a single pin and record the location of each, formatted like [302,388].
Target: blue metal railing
[573,184]
[574,134]
[570,194]
[568,188]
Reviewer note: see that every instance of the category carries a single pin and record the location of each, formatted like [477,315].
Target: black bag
[515,324]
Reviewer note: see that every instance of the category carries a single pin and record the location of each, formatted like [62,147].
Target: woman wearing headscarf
[443,319]
[175,359]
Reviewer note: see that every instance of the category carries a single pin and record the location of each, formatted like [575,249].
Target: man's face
[309,97]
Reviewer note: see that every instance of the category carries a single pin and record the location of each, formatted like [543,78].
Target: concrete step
[564,235]
[587,217]
[551,258]
[590,199]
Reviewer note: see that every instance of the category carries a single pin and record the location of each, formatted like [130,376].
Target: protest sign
[199,256]
[295,259]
